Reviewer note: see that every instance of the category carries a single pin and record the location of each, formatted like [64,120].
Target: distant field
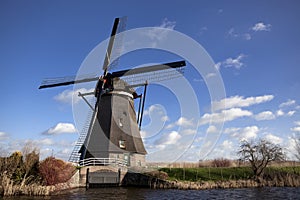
[215,173]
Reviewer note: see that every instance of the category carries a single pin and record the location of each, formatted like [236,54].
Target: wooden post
[87,179]
[183,172]
[119,176]
[144,98]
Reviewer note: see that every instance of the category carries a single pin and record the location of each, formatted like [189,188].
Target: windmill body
[114,131]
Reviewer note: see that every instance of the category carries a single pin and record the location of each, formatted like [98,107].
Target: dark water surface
[151,194]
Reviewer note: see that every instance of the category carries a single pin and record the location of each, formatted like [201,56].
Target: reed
[10,189]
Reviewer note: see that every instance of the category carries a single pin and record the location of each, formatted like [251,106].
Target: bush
[54,171]
[158,174]
[221,162]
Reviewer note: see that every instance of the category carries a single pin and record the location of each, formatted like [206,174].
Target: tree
[9,165]
[297,146]
[30,162]
[221,162]
[260,154]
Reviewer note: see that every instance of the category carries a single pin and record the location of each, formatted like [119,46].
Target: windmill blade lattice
[155,76]
[67,80]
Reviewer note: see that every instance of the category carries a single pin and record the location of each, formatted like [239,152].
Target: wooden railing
[103,162]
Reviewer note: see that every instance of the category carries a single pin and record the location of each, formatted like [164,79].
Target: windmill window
[121,122]
[122,144]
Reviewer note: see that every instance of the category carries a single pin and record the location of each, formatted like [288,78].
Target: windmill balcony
[103,162]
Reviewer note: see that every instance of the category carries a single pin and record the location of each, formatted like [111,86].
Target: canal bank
[159,180]
[100,176]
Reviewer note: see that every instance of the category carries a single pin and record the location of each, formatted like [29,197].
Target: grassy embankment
[222,173]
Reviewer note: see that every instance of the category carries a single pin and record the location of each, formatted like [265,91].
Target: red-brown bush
[55,171]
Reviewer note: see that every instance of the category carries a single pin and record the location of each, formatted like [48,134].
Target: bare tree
[30,159]
[297,146]
[221,162]
[260,154]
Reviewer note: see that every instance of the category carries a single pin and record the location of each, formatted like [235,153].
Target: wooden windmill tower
[114,130]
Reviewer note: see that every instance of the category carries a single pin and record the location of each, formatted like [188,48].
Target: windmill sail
[153,73]
[130,73]
[67,80]
[118,44]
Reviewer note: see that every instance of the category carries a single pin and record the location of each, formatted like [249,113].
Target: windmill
[113,130]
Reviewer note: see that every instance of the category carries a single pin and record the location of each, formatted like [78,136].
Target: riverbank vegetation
[260,163]
[223,173]
[22,173]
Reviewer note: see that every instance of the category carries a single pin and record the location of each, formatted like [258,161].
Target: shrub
[54,171]
[159,174]
[221,162]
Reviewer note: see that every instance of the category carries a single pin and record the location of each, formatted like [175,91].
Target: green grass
[291,170]
[215,174]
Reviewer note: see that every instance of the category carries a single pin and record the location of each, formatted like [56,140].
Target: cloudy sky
[254,45]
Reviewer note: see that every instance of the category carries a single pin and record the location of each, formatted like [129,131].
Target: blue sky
[255,46]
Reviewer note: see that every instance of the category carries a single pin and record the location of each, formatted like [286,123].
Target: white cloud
[296,129]
[209,75]
[157,119]
[234,62]
[291,113]
[279,113]
[246,133]
[158,34]
[224,150]
[290,146]
[45,141]
[61,128]
[211,129]
[67,95]
[231,130]
[167,139]
[260,26]
[168,24]
[3,136]
[227,144]
[297,123]
[287,103]
[240,101]
[182,122]
[224,116]
[143,134]
[218,65]
[273,138]
[247,36]
[188,131]
[232,33]
[164,118]
[266,115]
[249,132]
